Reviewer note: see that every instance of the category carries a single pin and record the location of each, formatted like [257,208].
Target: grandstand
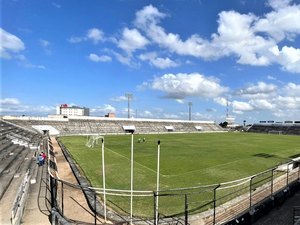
[99,125]
[276,128]
[23,137]
[18,168]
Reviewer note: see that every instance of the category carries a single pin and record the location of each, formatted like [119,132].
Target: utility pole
[129,97]
[190,110]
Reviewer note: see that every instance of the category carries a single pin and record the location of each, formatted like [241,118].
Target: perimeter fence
[238,202]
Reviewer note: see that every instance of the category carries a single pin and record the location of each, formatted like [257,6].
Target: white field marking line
[136,162]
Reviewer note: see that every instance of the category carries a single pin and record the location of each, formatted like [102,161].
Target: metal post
[272,182]
[52,192]
[157,177]
[250,194]
[95,202]
[154,208]
[186,217]
[287,175]
[298,172]
[62,198]
[103,178]
[215,195]
[131,178]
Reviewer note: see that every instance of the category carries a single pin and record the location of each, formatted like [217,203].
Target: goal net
[93,140]
[275,132]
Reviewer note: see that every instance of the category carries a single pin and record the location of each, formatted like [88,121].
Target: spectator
[44,157]
[40,160]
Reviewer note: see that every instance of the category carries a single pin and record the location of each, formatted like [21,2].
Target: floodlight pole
[103,178]
[157,181]
[190,111]
[129,97]
[131,177]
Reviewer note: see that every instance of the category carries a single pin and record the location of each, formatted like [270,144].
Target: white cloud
[14,106]
[180,101]
[125,59]
[221,101]
[23,61]
[145,114]
[161,63]
[281,23]
[170,116]
[147,20]
[289,58]
[106,108]
[44,43]
[278,4]
[9,101]
[119,98]
[10,44]
[97,58]
[34,66]
[95,35]
[236,36]
[239,106]
[148,15]
[132,40]
[261,104]
[56,5]
[179,86]
[283,102]
[269,77]
[292,89]
[288,102]
[74,39]
[260,90]
[252,39]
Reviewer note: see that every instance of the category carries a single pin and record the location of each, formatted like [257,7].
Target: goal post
[93,140]
[279,132]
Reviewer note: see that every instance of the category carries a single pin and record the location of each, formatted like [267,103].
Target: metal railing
[296,215]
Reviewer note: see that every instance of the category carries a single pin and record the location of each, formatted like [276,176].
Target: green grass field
[186,160]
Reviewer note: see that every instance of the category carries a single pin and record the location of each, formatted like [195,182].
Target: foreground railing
[296,215]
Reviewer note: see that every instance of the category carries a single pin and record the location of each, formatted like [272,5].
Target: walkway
[72,199]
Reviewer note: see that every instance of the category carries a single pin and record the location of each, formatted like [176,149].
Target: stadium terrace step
[13,167]
[9,156]
[5,145]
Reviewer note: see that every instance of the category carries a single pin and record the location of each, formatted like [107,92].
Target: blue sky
[165,53]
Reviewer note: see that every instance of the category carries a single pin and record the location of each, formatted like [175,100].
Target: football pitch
[186,160]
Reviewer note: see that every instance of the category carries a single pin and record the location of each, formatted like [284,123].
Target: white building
[66,110]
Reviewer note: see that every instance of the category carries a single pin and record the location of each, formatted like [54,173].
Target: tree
[224,124]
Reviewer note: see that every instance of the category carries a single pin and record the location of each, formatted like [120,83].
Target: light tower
[129,97]
[190,110]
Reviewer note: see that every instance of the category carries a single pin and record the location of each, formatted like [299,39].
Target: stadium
[138,112]
[155,171]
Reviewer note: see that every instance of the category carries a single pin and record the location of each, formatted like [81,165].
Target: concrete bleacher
[100,125]
[18,147]
[288,128]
